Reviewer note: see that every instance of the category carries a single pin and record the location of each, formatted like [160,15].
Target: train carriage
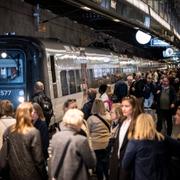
[62,68]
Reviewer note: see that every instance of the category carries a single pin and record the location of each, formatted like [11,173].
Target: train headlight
[21,96]
[4,55]
[21,99]
[21,93]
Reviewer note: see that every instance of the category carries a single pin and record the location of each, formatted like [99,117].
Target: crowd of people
[113,136]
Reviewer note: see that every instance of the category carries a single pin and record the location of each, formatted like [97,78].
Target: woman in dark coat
[175,161]
[130,110]
[40,123]
[148,152]
[25,157]
[116,117]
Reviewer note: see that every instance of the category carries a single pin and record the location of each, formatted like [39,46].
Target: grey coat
[25,155]
[78,157]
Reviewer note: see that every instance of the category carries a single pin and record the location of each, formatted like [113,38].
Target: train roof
[50,44]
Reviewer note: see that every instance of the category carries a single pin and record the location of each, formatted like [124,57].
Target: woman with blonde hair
[116,118]
[23,143]
[148,152]
[99,129]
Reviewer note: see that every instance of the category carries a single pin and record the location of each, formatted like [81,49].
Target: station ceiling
[101,23]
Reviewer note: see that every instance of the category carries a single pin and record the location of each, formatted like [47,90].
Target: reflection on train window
[72,84]
[71,80]
[78,81]
[64,84]
[11,67]
[97,72]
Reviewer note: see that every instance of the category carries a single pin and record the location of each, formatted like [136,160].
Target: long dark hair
[136,111]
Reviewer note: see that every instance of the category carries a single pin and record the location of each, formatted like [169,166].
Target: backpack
[46,105]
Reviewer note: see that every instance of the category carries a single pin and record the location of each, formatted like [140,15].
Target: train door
[53,74]
[12,75]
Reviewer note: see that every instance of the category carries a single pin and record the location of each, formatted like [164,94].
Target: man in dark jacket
[88,105]
[166,99]
[120,89]
[45,102]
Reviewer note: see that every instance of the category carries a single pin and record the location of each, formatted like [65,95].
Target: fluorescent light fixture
[142,38]
[116,20]
[86,8]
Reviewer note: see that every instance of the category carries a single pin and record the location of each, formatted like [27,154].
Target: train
[64,69]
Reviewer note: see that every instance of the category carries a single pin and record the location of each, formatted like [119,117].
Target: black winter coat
[150,159]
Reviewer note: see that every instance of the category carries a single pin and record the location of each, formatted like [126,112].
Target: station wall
[18,16]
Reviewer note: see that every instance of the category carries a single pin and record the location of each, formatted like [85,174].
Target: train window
[97,72]
[72,83]
[64,84]
[78,86]
[11,67]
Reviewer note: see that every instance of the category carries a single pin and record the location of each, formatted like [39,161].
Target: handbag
[4,158]
[53,127]
[104,121]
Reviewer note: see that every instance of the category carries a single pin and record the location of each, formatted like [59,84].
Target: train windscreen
[12,75]
[11,67]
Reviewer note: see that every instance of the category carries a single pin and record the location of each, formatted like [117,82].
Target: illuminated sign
[159,43]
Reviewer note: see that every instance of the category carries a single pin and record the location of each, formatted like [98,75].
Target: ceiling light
[142,38]
[86,8]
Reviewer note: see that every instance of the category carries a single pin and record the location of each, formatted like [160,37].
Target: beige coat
[5,122]
[99,133]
